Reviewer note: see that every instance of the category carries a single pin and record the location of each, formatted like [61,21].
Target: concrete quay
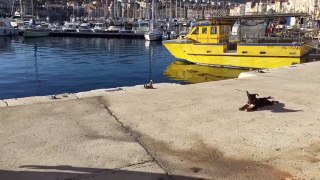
[171,132]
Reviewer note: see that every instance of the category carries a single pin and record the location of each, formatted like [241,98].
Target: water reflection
[5,44]
[150,61]
[36,69]
[54,65]
[192,73]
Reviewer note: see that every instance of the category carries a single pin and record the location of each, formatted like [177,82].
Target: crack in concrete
[135,137]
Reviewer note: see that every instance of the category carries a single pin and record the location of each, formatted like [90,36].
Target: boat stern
[305,49]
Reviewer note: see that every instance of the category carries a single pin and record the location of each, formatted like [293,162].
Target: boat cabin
[209,34]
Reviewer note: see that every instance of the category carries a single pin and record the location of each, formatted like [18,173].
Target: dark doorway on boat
[232,47]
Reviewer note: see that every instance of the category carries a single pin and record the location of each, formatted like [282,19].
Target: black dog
[254,103]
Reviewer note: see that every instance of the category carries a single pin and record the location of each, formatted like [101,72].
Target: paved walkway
[172,132]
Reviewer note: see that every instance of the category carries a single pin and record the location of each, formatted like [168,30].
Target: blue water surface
[54,65]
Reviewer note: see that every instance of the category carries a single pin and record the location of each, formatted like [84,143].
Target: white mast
[21,11]
[176,9]
[170,12]
[152,16]
[107,9]
[32,8]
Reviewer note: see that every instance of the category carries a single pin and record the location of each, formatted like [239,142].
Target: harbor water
[55,65]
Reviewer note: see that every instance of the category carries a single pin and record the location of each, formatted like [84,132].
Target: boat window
[244,52]
[213,30]
[222,30]
[196,31]
[204,30]
[262,52]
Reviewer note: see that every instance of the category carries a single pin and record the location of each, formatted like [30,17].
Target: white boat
[143,27]
[6,29]
[69,27]
[113,30]
[55,27]
[153,34]
[84,27]
[99,27]
[34,30]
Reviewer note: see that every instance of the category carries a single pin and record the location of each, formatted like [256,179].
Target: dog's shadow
[278,108]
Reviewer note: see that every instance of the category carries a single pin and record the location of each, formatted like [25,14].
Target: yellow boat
[210,45]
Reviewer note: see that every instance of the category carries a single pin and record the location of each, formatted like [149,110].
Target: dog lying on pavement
[255,103]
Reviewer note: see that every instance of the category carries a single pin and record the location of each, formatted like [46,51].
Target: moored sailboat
[35,30]
[153,34]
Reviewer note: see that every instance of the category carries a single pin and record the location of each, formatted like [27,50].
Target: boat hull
[29,34]
[244,62]
[246,56]
[153,37]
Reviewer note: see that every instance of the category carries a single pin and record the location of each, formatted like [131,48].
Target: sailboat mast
[12,7]
[21,11]
[152,10]
[176,9]
[170,12]
[32,8]
[151,27]
[107,9]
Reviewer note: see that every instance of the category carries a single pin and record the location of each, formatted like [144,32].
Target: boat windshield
[143,24]
[71,26]
[83,26]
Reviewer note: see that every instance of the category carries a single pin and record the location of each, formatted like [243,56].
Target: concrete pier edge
[102,92]
[78,95]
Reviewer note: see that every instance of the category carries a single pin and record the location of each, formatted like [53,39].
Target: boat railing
[274,38]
